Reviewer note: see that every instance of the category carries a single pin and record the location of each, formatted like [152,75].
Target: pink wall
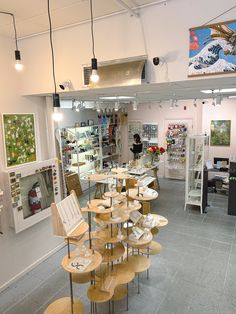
[227,111]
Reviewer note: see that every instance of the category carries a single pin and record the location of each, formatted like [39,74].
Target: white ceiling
[189,89]
[31,18]
[31,15]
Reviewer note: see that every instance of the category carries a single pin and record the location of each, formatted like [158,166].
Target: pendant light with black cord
[18,64]
[94,77]
[57,115]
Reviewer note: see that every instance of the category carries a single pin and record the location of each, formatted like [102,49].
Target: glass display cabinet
[197,154]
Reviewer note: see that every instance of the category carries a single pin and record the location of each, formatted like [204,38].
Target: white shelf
[195,193]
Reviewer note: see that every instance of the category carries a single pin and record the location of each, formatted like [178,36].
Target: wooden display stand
[119,256]
[67,221]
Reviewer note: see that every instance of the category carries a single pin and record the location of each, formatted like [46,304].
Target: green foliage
[19,138]
[220,132]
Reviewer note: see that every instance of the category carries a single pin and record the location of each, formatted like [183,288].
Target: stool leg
[127,298]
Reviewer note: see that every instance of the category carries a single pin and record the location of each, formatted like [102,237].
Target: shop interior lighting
[135,105]
[115,97]
[117,106]
[216,91]
[232,97]
[195,103]
[57,115]
[66,85]
[172,102]
[218,100]
[213,102]
[18,65]
[98,107]
[94,77]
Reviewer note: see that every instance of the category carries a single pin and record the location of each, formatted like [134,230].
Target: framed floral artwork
[212,49]
[19,138]
[220,132]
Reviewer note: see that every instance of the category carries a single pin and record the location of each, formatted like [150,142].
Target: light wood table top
[98,177]
[120,293]
[95,258]
[111,194]
[119,170]
[63,306]
[81,229]
[82,278]
[124,273]
[105,235]
[111,255]
[142,242]
[139,263]
[154,248]
[133,194]
[160,221]
[106,218]
[95,294]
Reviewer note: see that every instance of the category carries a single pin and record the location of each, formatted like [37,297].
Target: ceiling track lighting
[117,106]
[135,105]
[18,64]
[66,85]
[218,101]
[172,102]
[94,77]
[195,103]
[57,115]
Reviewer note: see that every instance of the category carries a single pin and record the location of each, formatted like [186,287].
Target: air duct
[119,72]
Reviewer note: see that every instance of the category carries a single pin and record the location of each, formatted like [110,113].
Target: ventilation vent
[122,72]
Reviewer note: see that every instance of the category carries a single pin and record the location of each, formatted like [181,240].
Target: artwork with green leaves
[19,139]
[220,132]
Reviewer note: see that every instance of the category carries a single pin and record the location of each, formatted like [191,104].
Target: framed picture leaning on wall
[212,49]
[19,138]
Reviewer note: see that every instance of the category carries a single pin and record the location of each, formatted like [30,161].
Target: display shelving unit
[175,159]
[149,135]
[197,153]
[87,149]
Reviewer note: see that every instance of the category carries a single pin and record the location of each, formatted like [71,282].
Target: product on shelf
[176,148]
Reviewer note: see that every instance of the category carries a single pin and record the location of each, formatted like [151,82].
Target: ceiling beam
[125,6]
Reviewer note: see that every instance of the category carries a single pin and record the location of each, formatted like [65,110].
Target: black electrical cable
[51,44]
[92,34]
[233,7]
[14,25]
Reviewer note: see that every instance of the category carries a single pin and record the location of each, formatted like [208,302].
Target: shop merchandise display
[150,135]
[197,153]
[176,150]
[30,190]
[87,149]
[112,255]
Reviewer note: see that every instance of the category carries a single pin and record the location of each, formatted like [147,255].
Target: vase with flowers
[155,152]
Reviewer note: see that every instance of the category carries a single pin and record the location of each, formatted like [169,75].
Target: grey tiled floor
[194,273]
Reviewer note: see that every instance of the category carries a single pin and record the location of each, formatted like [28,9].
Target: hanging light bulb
[98,107]
[57,115]
[18,65]
[94,77]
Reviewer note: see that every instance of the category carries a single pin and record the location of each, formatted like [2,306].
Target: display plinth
[63,306]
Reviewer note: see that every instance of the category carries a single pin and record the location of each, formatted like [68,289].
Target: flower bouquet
[155,152]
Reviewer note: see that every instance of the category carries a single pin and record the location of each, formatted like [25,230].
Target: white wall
[227,111]
[166,35]
[19,251]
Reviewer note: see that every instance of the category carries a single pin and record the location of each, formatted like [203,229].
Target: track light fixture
[57,115]
[135,105]
[18,64]
[218,100]
[172,102]
[94,77]
[117,106]
[98,107]
[195,103]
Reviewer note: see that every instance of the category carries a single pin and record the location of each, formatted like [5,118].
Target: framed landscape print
[212,49]
[220,132]
[19,138]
